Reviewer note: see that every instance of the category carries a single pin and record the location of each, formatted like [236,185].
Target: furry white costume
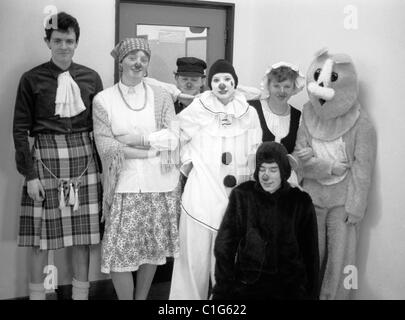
[338,176]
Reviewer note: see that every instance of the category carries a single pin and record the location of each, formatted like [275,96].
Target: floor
[104,289]
[158,291]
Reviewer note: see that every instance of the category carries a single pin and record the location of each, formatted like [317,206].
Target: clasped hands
[338,168]
[136,140]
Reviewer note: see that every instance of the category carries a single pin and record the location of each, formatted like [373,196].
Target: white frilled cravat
[68,102]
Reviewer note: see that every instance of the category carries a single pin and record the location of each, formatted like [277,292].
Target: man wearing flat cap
[190,82]
[190,79]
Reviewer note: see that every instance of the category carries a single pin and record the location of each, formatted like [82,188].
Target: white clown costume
[222,142]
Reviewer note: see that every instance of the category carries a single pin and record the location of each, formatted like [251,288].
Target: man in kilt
[61,196]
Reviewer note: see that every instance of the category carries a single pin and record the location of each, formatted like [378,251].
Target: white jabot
[68,101]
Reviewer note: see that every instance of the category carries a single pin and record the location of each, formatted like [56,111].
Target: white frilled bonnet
[299,81]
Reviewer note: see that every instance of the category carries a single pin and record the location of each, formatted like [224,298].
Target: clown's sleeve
[169,87]
[190,121]
[166,138]
[186,159]
[365,146]
[315,167]
[250,93]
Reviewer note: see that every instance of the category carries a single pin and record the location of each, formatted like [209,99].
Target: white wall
[22,48]
[266,31]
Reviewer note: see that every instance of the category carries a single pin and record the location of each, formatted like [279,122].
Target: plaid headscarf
[130,44]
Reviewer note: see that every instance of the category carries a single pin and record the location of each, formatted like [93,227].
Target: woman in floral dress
[141,199]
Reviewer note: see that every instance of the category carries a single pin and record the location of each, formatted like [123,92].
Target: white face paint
[223,87]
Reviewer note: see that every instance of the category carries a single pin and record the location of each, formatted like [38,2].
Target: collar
[266,108]
[238,107]
[180,105]
[56,71]
[131,89]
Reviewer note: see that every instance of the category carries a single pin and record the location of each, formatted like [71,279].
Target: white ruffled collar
[236,108]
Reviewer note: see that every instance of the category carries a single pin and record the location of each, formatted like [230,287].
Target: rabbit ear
[342,58]
[321,52]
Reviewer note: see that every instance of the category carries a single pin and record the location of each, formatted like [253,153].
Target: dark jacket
[267,245]
[35,109]
[179,106]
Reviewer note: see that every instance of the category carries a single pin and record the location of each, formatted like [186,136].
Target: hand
[185,96]
[305,153]
[35,190]
[352,220]
[152,153]
[339,168]
[131,139]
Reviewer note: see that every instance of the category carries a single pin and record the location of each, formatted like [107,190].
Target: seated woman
[267,244]
[278,119]
[141,200]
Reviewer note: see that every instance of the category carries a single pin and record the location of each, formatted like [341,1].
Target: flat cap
[190,66]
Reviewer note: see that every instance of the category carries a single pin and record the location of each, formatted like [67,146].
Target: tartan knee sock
[37,291]
[80,290]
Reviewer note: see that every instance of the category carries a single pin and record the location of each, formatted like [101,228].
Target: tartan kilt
[42,223]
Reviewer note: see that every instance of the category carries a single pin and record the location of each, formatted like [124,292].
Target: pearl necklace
[126,102]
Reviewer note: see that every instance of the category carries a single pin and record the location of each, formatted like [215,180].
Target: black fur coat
[267,245]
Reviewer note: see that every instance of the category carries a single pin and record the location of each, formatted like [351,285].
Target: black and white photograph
[216,153]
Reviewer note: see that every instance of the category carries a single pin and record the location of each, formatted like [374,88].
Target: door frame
[229,17]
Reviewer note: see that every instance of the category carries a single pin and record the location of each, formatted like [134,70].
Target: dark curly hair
[64,22]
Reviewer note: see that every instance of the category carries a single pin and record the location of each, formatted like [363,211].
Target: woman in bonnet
[278,119]
[141,199]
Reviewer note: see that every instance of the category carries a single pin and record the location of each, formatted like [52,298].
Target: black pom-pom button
[229,181]
[226,158]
